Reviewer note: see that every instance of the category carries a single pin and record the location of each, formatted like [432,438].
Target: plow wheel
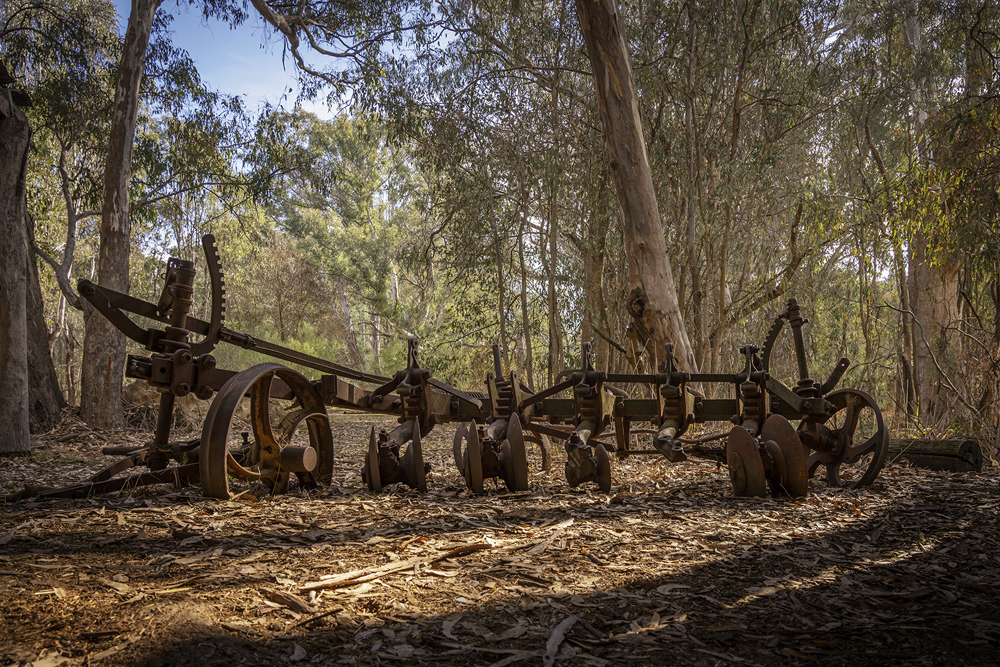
[746,470]
[858,439]
[788,472]
[270,458]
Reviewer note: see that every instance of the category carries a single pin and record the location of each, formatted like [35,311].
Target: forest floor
[668,569]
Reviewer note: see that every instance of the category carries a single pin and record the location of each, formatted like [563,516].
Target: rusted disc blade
[474,461]
[518,454]
[415,472]
[775,477]
[506,466]
[789,456]
[746,471]
[372,475]
[603,469]
[460,434]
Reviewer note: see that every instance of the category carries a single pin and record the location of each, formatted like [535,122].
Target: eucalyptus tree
[915,91]
[14,135]
[504,118]
[53,47]
[104,346]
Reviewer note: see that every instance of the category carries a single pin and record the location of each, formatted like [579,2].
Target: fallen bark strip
[356,577]
[542,545]
[556,640]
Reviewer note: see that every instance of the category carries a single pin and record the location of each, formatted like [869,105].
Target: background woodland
[842,152]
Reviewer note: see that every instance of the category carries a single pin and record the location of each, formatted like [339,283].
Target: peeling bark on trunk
[653,296]
[14,137]
[594,251]
[934,300]
[103,344]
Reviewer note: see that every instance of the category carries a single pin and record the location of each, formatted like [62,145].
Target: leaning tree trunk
[653,297]
[14,137]
[103,345]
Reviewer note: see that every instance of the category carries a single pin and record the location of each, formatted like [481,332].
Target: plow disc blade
[746,471]
[412,462]
[461,433]
[790,473]
[473,461]
[515,460]
[372,474]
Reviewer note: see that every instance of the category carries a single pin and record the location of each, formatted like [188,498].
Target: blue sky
[245,61]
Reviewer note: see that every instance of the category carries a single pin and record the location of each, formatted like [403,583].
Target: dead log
[954,454]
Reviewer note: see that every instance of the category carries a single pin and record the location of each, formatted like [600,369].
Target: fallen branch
[356,577]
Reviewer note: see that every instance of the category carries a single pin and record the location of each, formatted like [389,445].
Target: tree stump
[954,454]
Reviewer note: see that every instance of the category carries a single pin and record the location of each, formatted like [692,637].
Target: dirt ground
[668,569]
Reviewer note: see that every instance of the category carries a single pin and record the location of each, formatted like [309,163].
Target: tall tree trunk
[351,337]
[45,398]
[933,280]
[501,304]
[103,344]
[594,251]
[908,390]
[555,361]
[525,321]
[652,301]
[694,265]
[376,342]
[14,137]
[934,300]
